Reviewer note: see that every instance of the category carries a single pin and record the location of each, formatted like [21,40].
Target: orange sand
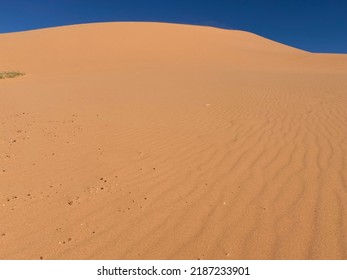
[163,141]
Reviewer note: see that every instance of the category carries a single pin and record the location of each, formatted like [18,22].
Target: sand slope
[162,141]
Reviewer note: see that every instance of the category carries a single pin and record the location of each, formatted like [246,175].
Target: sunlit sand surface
[163,141]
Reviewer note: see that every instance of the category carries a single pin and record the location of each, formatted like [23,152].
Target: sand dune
[163,141]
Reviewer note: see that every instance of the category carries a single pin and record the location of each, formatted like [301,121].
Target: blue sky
[316,26]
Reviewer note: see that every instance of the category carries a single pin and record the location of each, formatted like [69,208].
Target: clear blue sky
[313,25]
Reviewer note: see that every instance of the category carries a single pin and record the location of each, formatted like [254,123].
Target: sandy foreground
[163,141]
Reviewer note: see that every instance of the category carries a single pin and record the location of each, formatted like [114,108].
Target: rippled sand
[162,141]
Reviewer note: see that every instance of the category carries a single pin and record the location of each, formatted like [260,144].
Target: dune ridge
[165,141]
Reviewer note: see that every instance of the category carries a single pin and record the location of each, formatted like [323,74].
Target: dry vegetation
[10,74]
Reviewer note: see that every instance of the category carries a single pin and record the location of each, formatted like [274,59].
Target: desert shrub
[10,74]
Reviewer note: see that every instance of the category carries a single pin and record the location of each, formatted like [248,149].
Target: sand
[164,141]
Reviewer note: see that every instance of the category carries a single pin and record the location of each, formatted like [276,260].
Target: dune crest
[165,141]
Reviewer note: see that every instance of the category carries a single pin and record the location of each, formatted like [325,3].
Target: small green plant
[10,74]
